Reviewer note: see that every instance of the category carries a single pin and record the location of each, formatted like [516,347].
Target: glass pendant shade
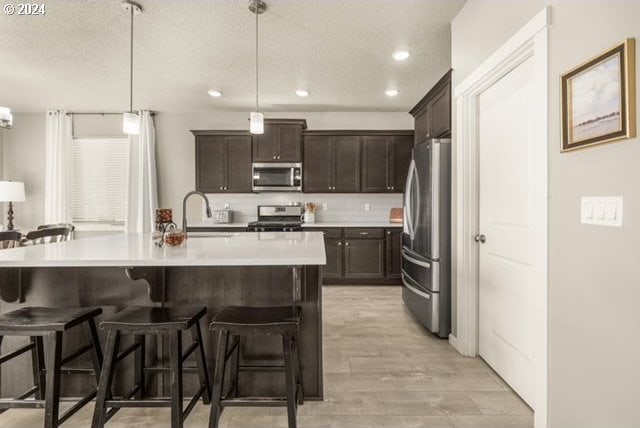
[130,123]
[6,118]
[256,122]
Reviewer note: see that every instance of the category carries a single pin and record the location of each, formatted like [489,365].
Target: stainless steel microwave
[277,177]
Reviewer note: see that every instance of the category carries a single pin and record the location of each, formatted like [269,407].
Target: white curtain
[58,137]
[142,198]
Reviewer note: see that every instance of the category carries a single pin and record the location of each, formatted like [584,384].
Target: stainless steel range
[279,218]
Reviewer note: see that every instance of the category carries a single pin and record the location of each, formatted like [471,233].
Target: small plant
[312,207]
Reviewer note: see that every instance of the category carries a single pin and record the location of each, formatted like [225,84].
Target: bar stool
[236,321]
[39,322]
[140,322]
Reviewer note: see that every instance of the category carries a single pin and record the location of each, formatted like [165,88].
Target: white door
[512,181]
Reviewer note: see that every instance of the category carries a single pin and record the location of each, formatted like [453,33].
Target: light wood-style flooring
[382,369]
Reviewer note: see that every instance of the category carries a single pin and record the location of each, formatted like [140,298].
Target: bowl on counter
[174,237]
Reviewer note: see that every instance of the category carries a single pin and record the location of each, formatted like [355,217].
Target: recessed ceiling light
[215,93]
[391,92]
[401,55]
[302,92]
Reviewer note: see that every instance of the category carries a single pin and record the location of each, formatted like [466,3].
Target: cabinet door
[289,143]
[402,149]
[439,111]
[210,162]
[364,258]
[238,164]
[376,164]
[394,253]
[264,147]
[335,255]
[346,164]
[421,127]
[318,164]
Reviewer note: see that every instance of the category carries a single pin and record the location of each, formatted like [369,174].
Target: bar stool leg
[290,380]
[203,375]
[175,375]
[52,396]
[235,362]
[298,364]
[97,358]
[37,364]
[218,378]
[106,378]
[139,367]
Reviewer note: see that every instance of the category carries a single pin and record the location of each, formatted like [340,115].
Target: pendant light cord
[131,66]
[257,13]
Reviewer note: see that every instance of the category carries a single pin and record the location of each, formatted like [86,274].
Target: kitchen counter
[201,249]
[212,269]
[320,225]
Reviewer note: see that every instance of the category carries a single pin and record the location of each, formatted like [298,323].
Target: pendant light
[256,118]
[130,119]
[6,118]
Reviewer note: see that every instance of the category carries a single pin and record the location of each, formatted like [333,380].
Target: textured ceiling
[76,56]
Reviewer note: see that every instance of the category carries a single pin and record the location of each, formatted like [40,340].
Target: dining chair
[45,236]
[10,239]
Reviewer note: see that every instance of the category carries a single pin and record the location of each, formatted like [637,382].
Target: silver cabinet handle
[364,233]
[388,232]
[346,243]
[480,238]
[339,244]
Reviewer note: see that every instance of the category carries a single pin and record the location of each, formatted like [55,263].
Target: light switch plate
[601,210]
[324,206]
[367,206]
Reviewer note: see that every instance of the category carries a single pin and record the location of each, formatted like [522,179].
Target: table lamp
[11,191]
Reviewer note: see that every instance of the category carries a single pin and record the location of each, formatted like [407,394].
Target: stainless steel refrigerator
[426,238]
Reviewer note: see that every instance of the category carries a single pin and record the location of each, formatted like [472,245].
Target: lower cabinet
[362,256]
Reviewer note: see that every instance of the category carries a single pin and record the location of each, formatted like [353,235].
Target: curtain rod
[100,113]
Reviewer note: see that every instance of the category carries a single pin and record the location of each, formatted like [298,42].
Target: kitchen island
[214,269]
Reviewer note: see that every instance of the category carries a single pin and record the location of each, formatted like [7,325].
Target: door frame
[530,42]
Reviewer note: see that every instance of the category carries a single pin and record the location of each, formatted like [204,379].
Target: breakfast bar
[213,269]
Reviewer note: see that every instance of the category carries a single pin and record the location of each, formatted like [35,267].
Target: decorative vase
[309,217]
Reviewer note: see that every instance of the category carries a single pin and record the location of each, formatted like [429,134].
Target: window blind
[100,168]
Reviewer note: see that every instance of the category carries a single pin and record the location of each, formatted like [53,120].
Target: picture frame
[599,99]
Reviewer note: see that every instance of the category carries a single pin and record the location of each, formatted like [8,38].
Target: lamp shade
[256,123]
[131,123]
[11,191]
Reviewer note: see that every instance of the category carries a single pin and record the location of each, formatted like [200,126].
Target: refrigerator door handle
[415,290]
[408,209]
[415,261]
[414,221]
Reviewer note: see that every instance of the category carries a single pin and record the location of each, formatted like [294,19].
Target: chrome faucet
[184,209]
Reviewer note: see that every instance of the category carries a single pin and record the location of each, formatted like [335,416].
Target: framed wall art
[599,99]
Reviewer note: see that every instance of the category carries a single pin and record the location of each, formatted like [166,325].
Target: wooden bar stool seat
[236,321]
[37,323]
[140,322]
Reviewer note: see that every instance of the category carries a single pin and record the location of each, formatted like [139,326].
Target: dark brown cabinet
[433,113]
[223,161]
[364,258]
[331,163]
[385,162]
[335,255]
[281,141]
[394,253]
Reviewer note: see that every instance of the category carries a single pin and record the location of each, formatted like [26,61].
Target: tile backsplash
[344,207]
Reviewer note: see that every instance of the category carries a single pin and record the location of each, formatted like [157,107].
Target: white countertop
[201,249]
[380,224]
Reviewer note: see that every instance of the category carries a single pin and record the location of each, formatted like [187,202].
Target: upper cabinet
[433,113]
[331,163]
[385,161]
[223,161]
[281,141]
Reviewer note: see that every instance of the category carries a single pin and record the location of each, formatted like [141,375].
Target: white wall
[479,29]
[594,273]
[24,154]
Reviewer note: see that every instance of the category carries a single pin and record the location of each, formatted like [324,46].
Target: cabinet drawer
[361,233]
